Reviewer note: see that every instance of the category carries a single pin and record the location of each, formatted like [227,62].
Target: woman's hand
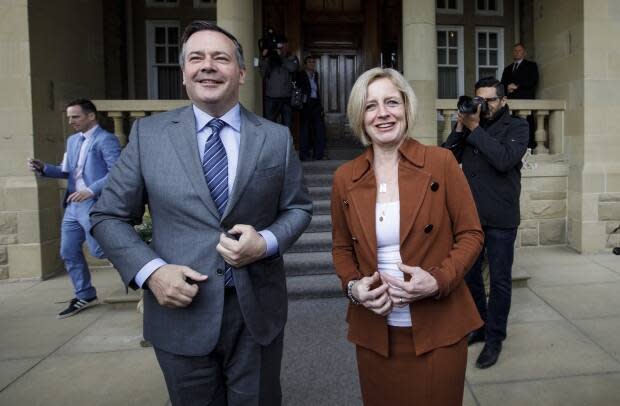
[376,300]
[421,285]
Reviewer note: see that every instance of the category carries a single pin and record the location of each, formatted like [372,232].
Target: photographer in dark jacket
[490,144]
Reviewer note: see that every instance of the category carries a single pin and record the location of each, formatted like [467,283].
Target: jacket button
[220,272]
[346,203]
[434,186]
[428,228]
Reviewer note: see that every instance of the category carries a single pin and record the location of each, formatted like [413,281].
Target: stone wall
[543,202]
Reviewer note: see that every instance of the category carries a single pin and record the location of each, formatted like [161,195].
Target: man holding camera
[277,66]
[489,143]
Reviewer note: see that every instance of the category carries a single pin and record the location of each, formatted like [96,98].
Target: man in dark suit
[226,195]
[520,79]
[312,124]
[91,153]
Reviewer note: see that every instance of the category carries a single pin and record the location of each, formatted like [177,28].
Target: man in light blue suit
[90,154]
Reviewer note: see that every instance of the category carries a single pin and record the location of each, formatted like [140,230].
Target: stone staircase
[308,263]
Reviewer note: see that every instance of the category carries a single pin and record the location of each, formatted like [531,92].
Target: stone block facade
[544,183]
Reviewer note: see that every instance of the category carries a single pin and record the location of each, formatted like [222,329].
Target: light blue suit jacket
[101,156]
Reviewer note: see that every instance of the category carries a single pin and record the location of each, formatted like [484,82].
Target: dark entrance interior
[347,37]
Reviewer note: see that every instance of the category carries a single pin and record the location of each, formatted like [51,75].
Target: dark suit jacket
[526,77]
[447,249]
[303,82]
[161,166]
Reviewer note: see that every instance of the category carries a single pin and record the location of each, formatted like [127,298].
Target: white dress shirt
[80,185]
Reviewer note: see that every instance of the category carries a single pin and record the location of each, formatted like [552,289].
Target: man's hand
[471,121]
[80,196]
[421,285]
[36,165]
[512,87]
[169,285]
[376,300]
[249,247]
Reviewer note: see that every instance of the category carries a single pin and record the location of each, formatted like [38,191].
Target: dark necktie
[215,169]
[515,66]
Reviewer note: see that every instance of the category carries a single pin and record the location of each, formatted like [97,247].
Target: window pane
[160,35]
[480,4]
[441,56]
[493,40]
[484,72]
[169,82]
[441,38]
[441,4]
[160,54]
[452,36]
[482,57]
[493,58]
[452,4]
[173,35]
[452,57]
[492,5]
[447,83]
[173,55]
[482,40]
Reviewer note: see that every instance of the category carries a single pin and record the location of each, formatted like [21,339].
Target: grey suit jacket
[160,166]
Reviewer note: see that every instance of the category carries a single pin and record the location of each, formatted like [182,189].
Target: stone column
[420,63]
[25,250]
[237,16]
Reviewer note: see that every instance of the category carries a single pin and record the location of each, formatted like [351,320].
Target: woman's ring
[401,300]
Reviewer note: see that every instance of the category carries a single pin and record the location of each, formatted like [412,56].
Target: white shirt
[80,185]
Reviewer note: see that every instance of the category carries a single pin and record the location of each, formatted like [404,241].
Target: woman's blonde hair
[359,94]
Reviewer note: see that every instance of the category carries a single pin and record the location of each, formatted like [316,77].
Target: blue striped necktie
[215,169]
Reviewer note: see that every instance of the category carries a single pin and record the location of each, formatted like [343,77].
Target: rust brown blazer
[439,232]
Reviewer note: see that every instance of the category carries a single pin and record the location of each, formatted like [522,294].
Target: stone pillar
[23,236]
[420,63]
[237,16]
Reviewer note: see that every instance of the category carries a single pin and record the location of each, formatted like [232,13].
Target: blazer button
[434,186]
[346,203]
[220,272]
[428,228]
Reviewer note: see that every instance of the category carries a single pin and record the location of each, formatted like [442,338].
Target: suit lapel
[413,184]
[251,142]
[182,135]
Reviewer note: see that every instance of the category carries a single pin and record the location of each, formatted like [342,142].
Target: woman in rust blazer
[405,232]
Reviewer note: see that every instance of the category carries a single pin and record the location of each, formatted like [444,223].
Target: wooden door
[338,70]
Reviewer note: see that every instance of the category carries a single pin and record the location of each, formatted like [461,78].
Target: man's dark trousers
[279,107]
[499,247]
[239,371]
[312,130]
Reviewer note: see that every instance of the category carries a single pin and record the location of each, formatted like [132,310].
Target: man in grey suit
[212,174]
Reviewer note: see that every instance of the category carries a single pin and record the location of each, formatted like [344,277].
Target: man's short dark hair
[200,25]
[309,57]
[519,44]
[86,105]
[491,81]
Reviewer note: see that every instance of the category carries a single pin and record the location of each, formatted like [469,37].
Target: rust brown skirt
[434,378]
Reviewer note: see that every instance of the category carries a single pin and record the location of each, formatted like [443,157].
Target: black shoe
[489,355]
[476,336]
[76,306]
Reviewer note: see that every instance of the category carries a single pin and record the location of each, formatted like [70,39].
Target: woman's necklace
[383,185]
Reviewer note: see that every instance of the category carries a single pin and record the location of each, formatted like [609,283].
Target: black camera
[269,41]
[469,105]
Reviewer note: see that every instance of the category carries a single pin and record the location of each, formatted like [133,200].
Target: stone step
[314,286]
[308,263]
[319,179]
[321,207]
[320,192]
[316,167]
[319,223]
[313,242]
